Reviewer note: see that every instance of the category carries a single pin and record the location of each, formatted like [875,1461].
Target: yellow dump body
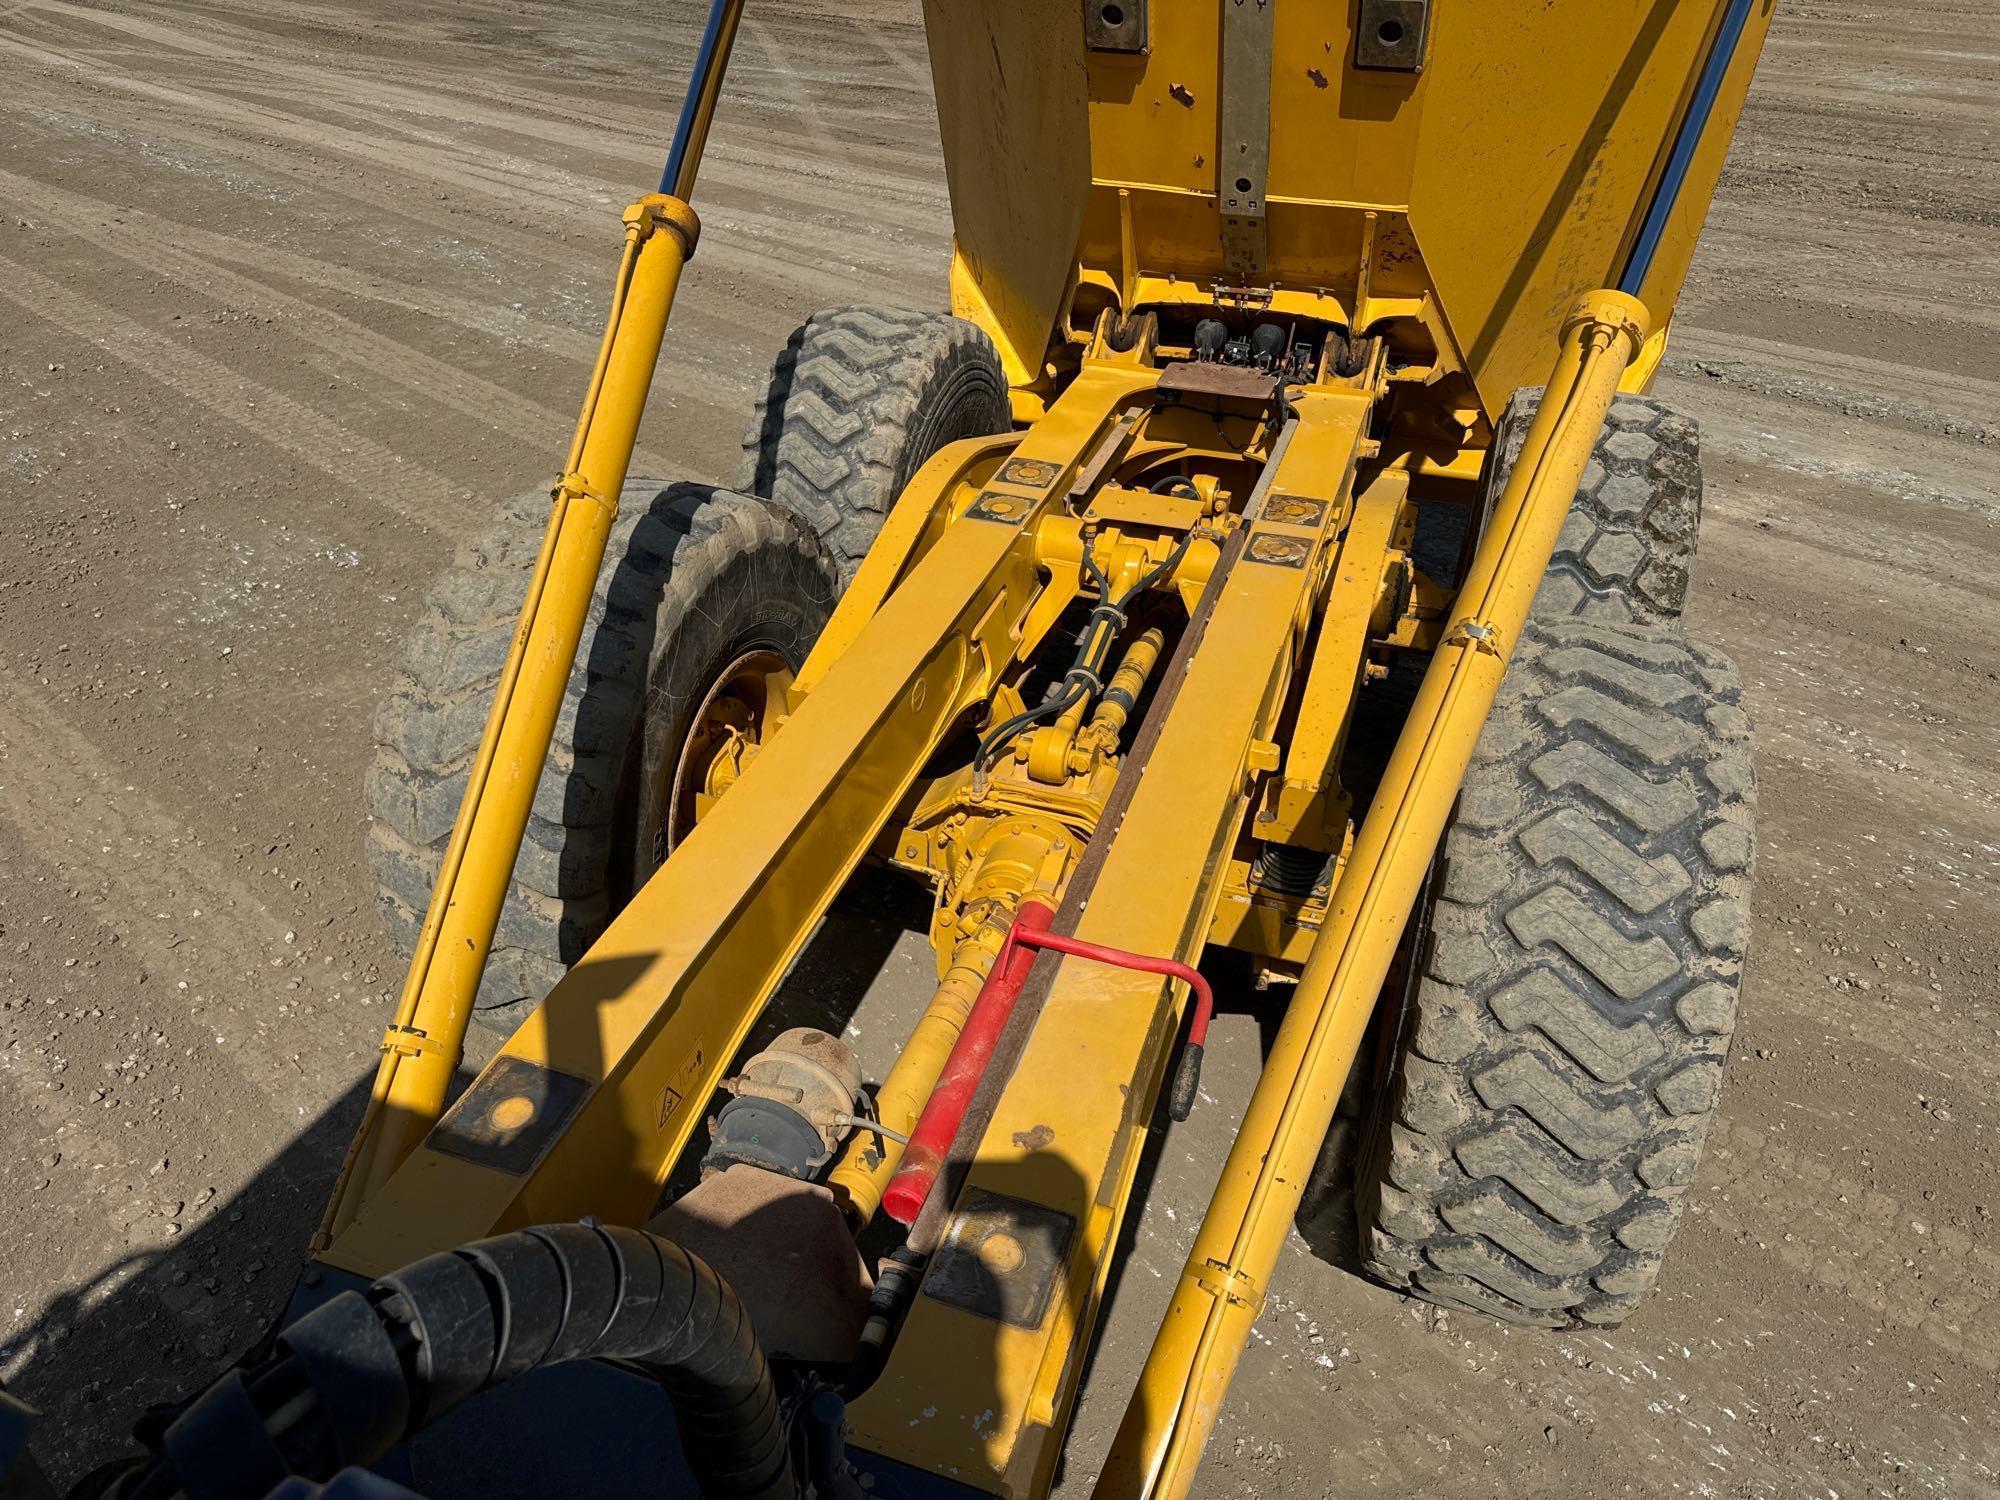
[1457,191]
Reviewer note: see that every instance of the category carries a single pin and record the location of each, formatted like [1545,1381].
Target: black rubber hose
[364,1371]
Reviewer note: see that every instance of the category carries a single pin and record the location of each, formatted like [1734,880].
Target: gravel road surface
[292,292]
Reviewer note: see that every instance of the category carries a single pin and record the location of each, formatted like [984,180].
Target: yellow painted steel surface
[1297,808]
[1222,1287]
[652,1017]
[1469,203]
[1073,1149]
[1019,173]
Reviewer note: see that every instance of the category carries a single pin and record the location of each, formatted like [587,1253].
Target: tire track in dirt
[375,473]
[505,323]
[817,95]
[185,918]
[710,322]
[753,244]
[1964,410]
[329,333]
[268,141]
[1886,1252]
[247,1003]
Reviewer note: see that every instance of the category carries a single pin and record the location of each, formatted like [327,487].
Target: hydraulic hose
[1082,679]
[366,1370]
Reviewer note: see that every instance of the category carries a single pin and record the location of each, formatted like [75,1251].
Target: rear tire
[1559,1052]
[693,579]
[857,401]
[1626,553]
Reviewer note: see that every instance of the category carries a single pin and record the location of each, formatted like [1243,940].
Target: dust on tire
[1563,1051]
[857,400]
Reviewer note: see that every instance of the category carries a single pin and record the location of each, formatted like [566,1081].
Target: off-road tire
[690,573]
[1560,1050]
[858,399]
[1626,554]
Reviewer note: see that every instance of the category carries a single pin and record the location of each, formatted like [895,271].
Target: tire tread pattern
[1576,1001]
[857,400]
[664,551]
[1626,555]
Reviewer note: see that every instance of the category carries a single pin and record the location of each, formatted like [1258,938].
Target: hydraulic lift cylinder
[422,1046]
[1223,1285]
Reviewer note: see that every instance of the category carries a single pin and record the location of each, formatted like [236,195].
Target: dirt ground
[290,292]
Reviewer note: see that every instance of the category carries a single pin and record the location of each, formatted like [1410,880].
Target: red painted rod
[923,1158]
[1204,997]
[936,1127]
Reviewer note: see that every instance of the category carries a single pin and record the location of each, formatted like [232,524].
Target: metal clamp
[1227,1283]
[665,211]
[1476,633]
[408,1041]
[573,486]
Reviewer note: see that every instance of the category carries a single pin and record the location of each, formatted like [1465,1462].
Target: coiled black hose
[365,1370]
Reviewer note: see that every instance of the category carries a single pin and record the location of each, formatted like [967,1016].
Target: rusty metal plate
[1009,510]
[1001,1258]
[1110,448]
[1291,510]
[1389,35]
[1278,551]
[1033,473]
[510,1117]
[1191,378]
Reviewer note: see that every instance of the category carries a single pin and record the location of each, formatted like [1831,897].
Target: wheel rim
[728,727]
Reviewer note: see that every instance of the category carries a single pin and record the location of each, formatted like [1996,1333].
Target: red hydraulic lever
[923,1158]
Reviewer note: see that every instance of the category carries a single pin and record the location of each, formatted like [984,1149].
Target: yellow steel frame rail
[648,1022]
[1075,1151]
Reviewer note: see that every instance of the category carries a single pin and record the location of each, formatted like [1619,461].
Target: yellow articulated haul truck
[1273,550]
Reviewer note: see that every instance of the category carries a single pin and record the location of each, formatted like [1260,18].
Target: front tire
[1627,549]
[857,401]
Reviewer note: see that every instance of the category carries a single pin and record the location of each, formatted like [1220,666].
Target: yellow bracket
[1304,808]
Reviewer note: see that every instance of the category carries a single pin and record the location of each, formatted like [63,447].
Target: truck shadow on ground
[156,1324]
